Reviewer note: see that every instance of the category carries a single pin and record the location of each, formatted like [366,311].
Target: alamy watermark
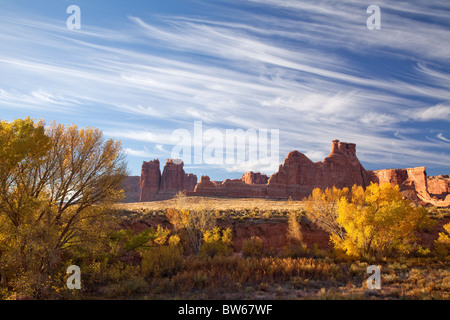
[74,21]
[374,21]
[374,281]
[74,280]
[226,146]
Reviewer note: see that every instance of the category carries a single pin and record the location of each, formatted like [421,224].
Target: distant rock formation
[298,176]
[157,186]
[416,185]
[235,188]
[439,186]
[150,180]
[295,178]
[132,189]
[190,181]
[254,178]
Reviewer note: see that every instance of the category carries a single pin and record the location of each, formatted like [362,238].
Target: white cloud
[441,136]
[297,81]
[438,112]
[139,153]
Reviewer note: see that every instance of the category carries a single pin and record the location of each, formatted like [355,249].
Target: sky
[306,72]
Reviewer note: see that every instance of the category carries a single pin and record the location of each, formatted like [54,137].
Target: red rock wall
[416,185]
[150,180]
[255,178]
[439,186]
[132,189]
[157,186]
[296,178]
[407,179]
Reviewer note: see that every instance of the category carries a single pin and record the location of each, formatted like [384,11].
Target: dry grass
[276,277]
[217,204]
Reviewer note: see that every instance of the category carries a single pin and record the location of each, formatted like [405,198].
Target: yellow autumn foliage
[378,221]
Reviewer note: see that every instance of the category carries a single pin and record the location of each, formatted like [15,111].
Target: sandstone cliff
[416,185]
[150,180]
[439,186]
[255,178]
[132,189]
[298,176]
[157,186]
[295,178]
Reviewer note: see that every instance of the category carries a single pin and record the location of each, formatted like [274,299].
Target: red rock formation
[407,179]
[150,180]
[132,189]
[205,187]
[190,181]
[157,186]
[439,186]
[298,176]
[235,188]
[238,189]
[173,178]
[255,178]
[415,185]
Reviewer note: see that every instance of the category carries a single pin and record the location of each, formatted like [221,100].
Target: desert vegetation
[60,206]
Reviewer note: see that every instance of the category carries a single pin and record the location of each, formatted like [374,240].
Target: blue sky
[139,70]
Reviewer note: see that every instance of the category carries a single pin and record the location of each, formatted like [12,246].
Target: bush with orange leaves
[192,223]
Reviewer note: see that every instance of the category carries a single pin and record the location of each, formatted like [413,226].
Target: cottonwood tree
[55,186]
[321,208]
[378,221]
[192,223]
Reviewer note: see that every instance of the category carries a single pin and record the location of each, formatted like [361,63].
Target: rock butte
[157,186]
[295,179]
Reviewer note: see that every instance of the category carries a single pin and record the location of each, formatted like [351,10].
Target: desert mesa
[295,179]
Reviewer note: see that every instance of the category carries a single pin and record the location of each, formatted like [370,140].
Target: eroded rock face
[173,177]
[255,178]
[407,179]
[439,186]
[150,180]
[205,187]
[157,186]
[132,189]
[416,185]
[190,181]
[298,176]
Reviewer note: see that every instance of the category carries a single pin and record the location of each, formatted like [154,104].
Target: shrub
[295,246]
[253,247]
[216,242]
[193,223]
[162,261]
[442,244]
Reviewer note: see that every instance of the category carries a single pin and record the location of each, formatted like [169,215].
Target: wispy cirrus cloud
[309,68]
